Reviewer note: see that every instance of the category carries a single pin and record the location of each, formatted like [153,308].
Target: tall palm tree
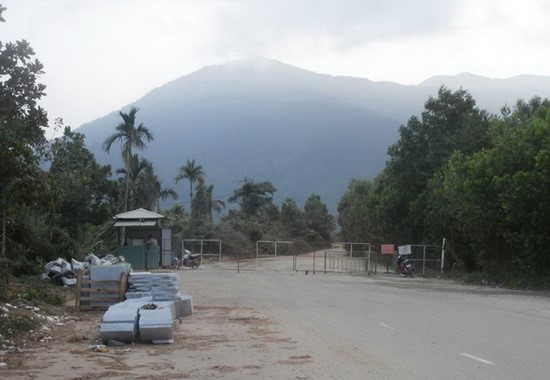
[191,172]
[129,137]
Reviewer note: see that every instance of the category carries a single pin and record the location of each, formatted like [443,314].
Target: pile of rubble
[63,272]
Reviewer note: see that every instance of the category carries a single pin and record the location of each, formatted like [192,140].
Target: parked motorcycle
[404,267]
[187,259]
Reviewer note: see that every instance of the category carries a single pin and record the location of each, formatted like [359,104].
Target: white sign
[404,250]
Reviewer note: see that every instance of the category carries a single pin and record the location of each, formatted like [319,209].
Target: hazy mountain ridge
[305,132]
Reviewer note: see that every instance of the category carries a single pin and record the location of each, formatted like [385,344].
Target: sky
[101,55]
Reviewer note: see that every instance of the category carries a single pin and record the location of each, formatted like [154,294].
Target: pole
[442,254]
[424,260]
[257,255]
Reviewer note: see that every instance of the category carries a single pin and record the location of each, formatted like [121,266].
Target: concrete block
[151,333]
[156,324]
[183,305]
[124,332]
[107,272]
[121,315]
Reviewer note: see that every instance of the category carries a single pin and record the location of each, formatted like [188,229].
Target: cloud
[101,55]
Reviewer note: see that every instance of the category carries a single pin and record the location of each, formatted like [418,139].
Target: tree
[253,197]
[21,121]
[451,122]
[191,172]
[129,137]
[318,220]
[84,188]
[293,219]
[495,204]
[201,212]
[142,182]
[164,193]
[353,211]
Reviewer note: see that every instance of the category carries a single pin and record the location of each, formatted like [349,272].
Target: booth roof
[140,214]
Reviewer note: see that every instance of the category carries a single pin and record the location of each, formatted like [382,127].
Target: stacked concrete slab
[153,302]
[162,287]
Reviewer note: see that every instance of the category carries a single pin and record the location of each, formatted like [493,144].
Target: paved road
[385,327]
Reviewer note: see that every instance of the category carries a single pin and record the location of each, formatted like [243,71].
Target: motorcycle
[404,267]
[187,259]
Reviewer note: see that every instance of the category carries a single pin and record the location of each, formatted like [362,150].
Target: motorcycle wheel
[195,264]
[402,272]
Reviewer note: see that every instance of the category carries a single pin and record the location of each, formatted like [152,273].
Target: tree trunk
[3,256]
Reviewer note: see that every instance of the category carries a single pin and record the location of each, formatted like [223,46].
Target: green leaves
[253,197]
[497,200]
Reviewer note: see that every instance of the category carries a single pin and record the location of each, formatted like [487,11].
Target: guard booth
[136,226]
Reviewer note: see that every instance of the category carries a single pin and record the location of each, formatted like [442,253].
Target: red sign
[387,249]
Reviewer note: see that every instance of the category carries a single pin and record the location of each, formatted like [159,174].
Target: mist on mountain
[305,132]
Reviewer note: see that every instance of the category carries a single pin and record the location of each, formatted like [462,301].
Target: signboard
[404,250]
[387,249]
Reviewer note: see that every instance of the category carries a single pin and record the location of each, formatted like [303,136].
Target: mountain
[264,120]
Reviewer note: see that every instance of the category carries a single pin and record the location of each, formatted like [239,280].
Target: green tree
[142,183]
[22,137]
[353,211]
[201,212]
[293,219]
[318,220]
[451,122]
[193,173]
[129,138]
[496,202]
[164,193]
[253,197]
[86,193]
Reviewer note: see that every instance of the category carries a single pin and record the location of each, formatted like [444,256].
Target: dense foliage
[480,181]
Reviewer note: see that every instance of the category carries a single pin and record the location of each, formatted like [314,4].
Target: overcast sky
[101,55]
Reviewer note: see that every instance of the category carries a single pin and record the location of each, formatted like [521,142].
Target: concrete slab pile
[162,287]
[153,302]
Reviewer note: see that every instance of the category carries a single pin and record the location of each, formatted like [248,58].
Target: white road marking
[478,359]
[386,326]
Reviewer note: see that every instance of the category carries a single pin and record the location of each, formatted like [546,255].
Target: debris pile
[65,273]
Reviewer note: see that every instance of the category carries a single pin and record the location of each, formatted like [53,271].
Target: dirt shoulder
[215,342]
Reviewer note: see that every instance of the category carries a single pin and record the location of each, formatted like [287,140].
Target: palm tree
[213,204]
[164,193]
[137,182]
[129,137]
[191,172]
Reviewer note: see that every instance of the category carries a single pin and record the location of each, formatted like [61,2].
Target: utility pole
[246,180]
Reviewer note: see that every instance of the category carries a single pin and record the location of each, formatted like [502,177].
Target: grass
[504,280]
[23,294]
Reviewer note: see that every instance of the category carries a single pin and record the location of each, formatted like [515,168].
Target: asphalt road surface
[386,327]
